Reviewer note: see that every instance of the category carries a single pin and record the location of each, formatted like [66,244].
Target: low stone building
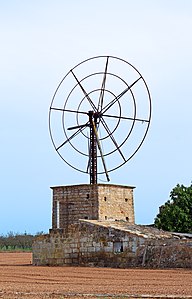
[93,225]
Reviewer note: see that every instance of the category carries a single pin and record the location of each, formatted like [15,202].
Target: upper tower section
[94,202]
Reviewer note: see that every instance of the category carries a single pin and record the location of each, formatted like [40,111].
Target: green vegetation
[176,214]
[17,242]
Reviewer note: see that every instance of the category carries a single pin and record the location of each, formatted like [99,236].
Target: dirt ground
[20,280]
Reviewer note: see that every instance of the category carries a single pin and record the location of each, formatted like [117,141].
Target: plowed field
[19,279]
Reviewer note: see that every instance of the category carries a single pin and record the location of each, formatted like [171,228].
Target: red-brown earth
[20,279]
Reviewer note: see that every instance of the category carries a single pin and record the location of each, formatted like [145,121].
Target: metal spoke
[68,110]
[112,137]
[126,118]
[119,96]
[72,136]
[100,104]
[78,127]
[85,93]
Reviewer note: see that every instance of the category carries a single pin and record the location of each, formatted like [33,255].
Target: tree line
[17,241]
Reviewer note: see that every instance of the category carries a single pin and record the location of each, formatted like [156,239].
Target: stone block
[108,248]
[91,249]
[68,261]
[75,250]
[68,250]
[75,261]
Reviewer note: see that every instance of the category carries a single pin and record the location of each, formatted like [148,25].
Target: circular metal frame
[100,109]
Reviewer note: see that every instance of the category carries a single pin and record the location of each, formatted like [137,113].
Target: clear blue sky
[40,42]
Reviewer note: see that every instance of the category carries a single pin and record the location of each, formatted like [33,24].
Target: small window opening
[127,218]
[118,247]
[105,198]
[105,217]
[87,196]
[86,217]
[126,199]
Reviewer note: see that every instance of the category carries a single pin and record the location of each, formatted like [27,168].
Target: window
[87,195]
[105,217]
[126,199]
[86,217]
[105,198]
[118,247]
[127,218]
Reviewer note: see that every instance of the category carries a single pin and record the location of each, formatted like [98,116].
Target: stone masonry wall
[71,203]
[116,202]
[88,244]
[102,202]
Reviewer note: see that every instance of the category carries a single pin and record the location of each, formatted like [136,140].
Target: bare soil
[19,280]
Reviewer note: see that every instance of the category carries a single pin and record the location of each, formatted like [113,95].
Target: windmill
[99,120]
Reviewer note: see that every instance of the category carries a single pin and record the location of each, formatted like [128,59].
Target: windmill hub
[94,115]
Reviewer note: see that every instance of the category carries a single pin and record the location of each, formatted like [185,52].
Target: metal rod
[100,104]
[100,149]
[112,137]
[93,152]
[119,96]
[85,93]
[68,110]
[72,136]
[128,118]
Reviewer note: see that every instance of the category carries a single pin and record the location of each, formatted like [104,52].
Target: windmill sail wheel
[99,115]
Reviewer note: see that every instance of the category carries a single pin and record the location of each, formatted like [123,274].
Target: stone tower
[93,202]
